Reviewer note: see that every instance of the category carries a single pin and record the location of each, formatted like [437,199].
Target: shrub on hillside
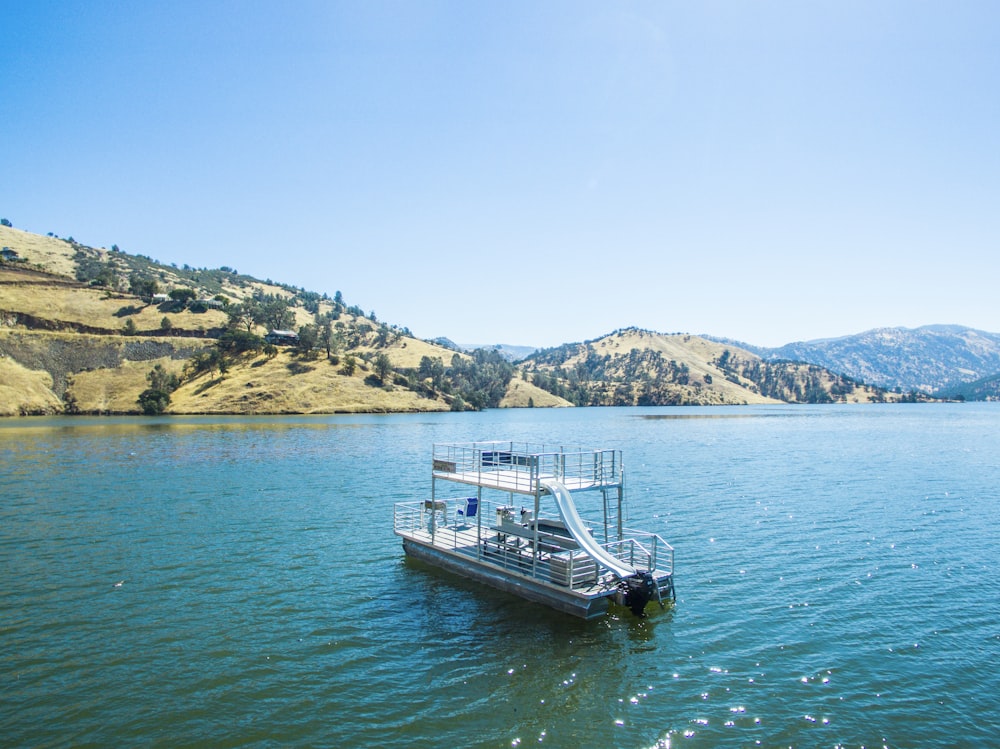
[236,341]
[183,295]
[153,401]
[160,379]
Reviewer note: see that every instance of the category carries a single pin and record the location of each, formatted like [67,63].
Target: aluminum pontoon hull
[559,598]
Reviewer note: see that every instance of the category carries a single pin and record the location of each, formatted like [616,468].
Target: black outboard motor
[639,590]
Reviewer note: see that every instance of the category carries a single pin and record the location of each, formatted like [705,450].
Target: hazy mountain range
[948,360]
[929,359]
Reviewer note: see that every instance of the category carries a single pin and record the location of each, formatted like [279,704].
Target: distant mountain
[986,389]
[927,359]
[447,343]
[633,367]
[508,351]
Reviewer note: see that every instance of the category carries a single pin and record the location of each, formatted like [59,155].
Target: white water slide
[578,530]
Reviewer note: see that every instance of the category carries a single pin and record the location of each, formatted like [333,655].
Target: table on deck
[547,542]
[434,506]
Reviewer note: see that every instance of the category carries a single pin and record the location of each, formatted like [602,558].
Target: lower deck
[567,568]
[546,567]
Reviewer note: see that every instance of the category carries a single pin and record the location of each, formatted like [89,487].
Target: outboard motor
[639,590]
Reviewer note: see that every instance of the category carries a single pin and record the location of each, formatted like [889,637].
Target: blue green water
[236,582]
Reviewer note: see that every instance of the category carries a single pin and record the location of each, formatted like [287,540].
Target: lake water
[236,582]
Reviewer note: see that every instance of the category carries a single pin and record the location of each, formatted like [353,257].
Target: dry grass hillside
[287,384]
[62,304]
[75,339]
[90,330]
[86,373]
[708,385]
[522,394]
[62,259]
[26,391]
[638,367]
[43,253]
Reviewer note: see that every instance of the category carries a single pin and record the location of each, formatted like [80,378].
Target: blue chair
[469,511]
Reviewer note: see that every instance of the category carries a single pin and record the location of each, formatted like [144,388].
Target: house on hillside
[161,298]
[211,303]
[282,338]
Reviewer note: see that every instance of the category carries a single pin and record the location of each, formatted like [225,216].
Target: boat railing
[496,536]
[439,518]
[650,553]
[407,517]
[524,463]
[428,514]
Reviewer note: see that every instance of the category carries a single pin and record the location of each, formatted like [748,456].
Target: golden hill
[65,347]
[638,367]
[82,330]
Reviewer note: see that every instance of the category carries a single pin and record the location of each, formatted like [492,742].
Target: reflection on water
[716,415]
[235,580]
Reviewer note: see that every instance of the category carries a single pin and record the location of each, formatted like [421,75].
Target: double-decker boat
[505,514]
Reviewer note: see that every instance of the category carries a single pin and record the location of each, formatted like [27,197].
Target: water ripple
[235,582]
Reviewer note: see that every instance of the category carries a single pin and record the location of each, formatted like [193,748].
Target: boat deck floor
[511,480]
[519,559]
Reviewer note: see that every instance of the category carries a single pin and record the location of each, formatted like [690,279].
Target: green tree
[142,285]
[432,369]
[160,379]
[95,272]
[165,324]
[481,380]
[153,401]
[236,341]
[207,361]
[382,366]
[273,313]
[183,295]
[350,364]
[242,315]
[129,327]
[328,339]
[308,339]
[70,405]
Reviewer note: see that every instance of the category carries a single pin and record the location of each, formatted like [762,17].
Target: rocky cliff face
[63,356]
[48,373]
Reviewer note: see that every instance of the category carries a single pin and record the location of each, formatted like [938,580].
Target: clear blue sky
[529,172]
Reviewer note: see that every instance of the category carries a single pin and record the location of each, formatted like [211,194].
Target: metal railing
[407,517]
[643,550]
[435,516]
[646,556]
[524,463]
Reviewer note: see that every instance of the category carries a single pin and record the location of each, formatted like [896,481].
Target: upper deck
[517,467]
